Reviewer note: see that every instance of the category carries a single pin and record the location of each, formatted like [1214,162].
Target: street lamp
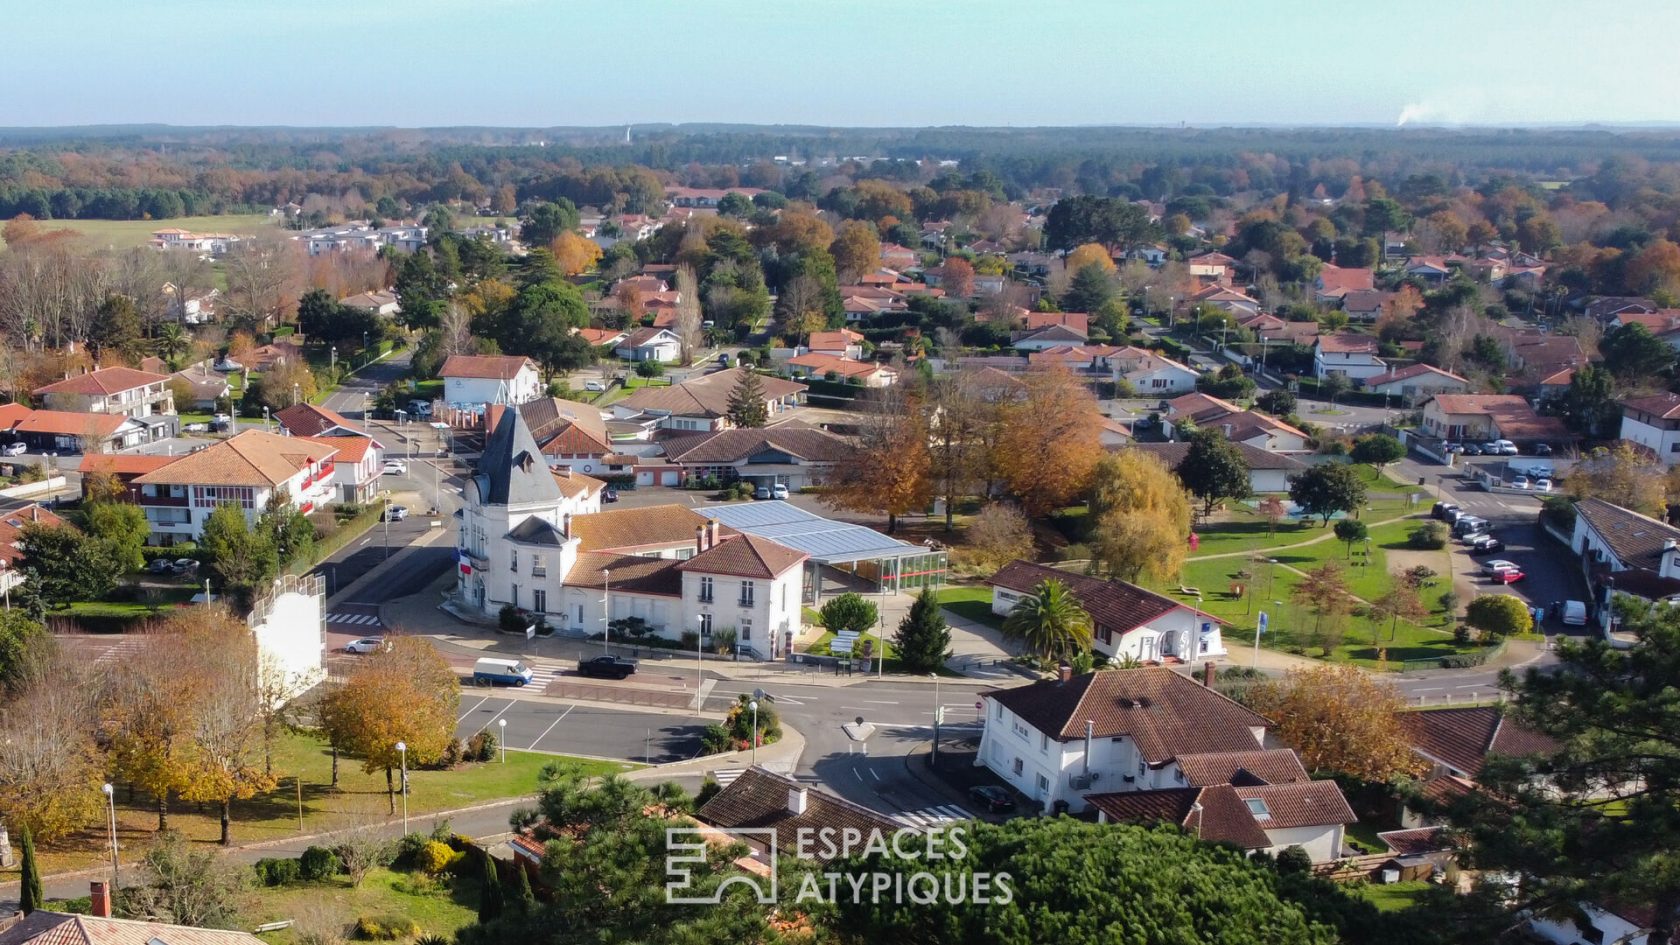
[606,608]
[937,710]
[402,750]
[699,659]
[502,738]
[332,358]
[111,807]
[753,705]
[297,393]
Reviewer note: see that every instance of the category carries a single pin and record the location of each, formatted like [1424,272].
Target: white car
[1503,448]
[394,468]
[1520,482]
[1499,564]
[778,491]
[365,645]
[14,449]
[1542,485]
[594,386]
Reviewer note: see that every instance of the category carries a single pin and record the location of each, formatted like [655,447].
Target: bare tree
[687,327]
[362,848]
[51,768]
[262,278]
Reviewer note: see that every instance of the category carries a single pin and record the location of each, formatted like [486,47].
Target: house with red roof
[1350,355]
[1335,282]
[122,391]
[475,380]
[1654,423]
[827,366]
[1413,383]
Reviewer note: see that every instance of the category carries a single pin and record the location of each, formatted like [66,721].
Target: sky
[545,63]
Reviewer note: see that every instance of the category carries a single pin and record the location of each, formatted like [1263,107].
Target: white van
[1574,613]
[490,671]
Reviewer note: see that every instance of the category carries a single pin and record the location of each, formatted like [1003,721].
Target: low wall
[53,485]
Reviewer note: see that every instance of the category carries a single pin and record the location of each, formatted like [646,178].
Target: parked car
[1574,613]
[1442,509]
[14,449]
[491,671]
[778,491]
[1507,577]
[1486,545]
[723,359]
[992,798]
[607,667]
[1542,449]
[420,408]
[609,495]
[1470,525]
[594,386]
[195,428]
[227,366]
[161,566]
[1503,448]
[1497,565]
[365,645]
[762,492]
[1519,482]
[1453,447]
[394,513]
[1542,485]
[1472,449]
[395,468]
[185,566]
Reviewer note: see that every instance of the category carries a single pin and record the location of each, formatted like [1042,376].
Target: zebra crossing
[727,776]
[544,673]
[933,816]
[354,620]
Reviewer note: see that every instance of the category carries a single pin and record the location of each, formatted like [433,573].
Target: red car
[1510,576]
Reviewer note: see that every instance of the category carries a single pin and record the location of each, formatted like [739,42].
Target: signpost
[1259,628]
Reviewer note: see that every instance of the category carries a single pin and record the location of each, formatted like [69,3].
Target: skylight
[1257,807]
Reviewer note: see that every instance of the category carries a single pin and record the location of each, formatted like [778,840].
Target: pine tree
[29,895]
[746,401]
[923,640]
[520,895]
[491,899]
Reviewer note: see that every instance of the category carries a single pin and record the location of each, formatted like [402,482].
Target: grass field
[1394,896]
[440,907]
[973,603]
[359,797]
[123,234]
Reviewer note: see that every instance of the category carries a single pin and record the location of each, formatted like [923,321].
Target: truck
[606,667]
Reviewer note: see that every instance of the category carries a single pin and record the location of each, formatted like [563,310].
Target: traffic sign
[979,704]
[1264,621]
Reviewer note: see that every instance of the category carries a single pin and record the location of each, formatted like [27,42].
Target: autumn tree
[1401,602]
[403,693]
[1324,591]
[225,726]
[962,427]
[1047,447]
[856,249]
[52,768]
[889,472]
[149,705]
[999,534]
[1339,719]
[1621,476]
[1273,510]
[574,253]
[957,278]
[1090,254]
[1138,545]
[1133,482]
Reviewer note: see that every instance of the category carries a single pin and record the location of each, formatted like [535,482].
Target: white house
[1267,471]
[1109,731]
[117,390]
[864,373]
[843,343]
[1149,373]
[1623,552]
[1621,926]
[702,401]
[290,628]
[792,454]
[1050,336]
[1654,422]
[1353,356]
[650,344]
[470,379]
[1126,620]
[664,570]
[245,471]
[1410,385]
[382,302]
[1261,801]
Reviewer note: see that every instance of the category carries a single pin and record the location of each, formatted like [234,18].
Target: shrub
[409,847]
[511,619]
[1461,635]
[480,747]
[715,739]
[1293,860]
[434,857]
[709,787]
[649,369]
[385,928]
[849,612]
[318,863]
[1430,536]
[277,872]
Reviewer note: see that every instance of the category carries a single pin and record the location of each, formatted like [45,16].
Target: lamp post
[699,659]
[937,712]
[265,419]
[110,792]
[366,417]
[332,358]
[753,705]
[297,393]
[501,738]
[385,518]
[402,751]
[606,609]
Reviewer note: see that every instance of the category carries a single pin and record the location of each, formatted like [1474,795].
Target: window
[705,590]
[148,490]
[1019,766]
[705,625]
[999,707]
[515,595]
[1257,807]
[747,593]
[539,601]
[784,596]
[1593,934]
[513,560]
[539,568]
[746,629]
[1043,784]
[1020,730]
[1043,742]
[1158,382]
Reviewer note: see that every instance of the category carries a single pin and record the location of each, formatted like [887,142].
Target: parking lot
[571,728]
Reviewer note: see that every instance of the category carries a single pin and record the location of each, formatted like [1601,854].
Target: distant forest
[158,172]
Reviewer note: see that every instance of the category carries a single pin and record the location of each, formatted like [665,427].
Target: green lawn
[972,603]
[1394,896]
[123,234]
[160,600]
[430,389]
[821,646]
[274,815]
[1381,480]
[439,906]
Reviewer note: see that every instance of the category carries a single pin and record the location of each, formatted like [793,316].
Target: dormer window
[1257,807]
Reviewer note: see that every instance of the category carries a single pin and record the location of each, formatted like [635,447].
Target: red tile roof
[1664,405]
[1337,281]
[119,464]
[251,458]
[1261,766]
[1214,813]
[747,556]
[311,420]
[103,381]
[1298,804]
[1463,738]
[1347,343]
[491,366]
[1115,605]
[67,423]
[759,798]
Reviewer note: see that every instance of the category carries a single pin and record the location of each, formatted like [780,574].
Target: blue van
[490,671]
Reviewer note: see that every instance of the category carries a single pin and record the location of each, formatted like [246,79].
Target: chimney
[699,538]
[566,525]
[492,417]
[100,897]
[798,799]
[1064,672]
[1207,674]
[712,528]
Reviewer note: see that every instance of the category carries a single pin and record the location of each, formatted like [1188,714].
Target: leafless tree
[687,327]
[362,847]
[51,769]
[262,276]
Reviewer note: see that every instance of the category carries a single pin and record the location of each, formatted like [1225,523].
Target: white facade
[1607,927]
[1660,435]
[663,346]
[291,633]
[1181,633]
[177,512]
[523,387]
[1162,378]
[1322,842]
[1354,364]
[1047,770]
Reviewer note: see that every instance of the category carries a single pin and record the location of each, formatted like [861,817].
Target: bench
[1195,592]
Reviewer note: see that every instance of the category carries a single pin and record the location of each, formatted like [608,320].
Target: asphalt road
[572,728]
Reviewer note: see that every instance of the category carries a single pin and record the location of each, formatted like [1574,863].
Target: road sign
[1264,621]
[979,704]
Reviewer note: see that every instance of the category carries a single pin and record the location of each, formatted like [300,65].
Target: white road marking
[933,816]
[551,727]
[874,775]
[498,714]
[726,776]
[879,702]
[470,711]
[1428,689]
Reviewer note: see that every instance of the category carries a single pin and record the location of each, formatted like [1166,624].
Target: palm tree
[172,342]
[1050,623]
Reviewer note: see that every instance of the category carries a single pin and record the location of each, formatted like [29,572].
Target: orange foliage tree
[1047,447]
[1339,718]
[575,253]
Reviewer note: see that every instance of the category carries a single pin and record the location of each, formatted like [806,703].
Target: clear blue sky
[839,62]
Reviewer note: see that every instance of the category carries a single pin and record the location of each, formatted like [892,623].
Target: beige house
[110,390]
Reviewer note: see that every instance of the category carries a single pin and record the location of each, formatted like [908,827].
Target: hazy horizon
[836,63]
